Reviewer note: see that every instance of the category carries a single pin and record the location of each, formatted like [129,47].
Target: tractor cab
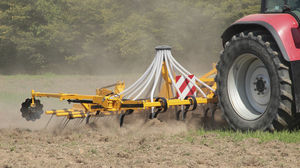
[281,6]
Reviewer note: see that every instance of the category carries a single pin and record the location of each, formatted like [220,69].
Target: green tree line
[89,36]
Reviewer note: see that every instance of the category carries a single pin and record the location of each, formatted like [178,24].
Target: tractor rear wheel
[254,85]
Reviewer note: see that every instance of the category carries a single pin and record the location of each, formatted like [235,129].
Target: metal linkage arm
[63,96]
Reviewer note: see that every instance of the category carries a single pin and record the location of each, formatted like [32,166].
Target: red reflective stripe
[184,85]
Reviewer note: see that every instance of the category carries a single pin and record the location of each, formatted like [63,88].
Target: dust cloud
[194,35]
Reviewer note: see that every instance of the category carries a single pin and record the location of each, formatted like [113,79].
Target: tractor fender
[278,25]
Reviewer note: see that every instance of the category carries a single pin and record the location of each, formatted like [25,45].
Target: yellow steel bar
[67,114]
[205,101]
[63,96]
[214,86]
[78,112]
[213,71]
[152,104]
[176,102]
[207,79]
[168,81]
[87,107]
[202,100]
[78,116]
[62,111]
[132,102]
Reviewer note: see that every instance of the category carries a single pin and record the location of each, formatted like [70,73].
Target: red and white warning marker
[186,87]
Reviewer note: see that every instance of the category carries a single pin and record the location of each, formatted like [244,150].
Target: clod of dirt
[153,122]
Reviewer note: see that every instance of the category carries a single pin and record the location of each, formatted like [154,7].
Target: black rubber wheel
[31,113]
[254,85]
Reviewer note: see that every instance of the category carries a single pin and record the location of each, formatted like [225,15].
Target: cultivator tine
[66,123]
[94,119]
[184,114]
[122,119]
[62,121]
[49,121]
[81,120]
[210,108]
[122,116]
[77,122]
[183,111]
[178,113]
[87,120]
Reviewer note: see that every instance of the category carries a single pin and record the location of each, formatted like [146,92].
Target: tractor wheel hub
[260,85]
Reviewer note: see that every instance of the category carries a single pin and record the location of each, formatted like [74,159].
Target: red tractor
[259,70]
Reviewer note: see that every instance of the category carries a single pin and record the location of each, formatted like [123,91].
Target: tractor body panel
[279,25]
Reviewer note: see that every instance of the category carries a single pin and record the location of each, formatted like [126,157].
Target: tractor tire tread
[285,116]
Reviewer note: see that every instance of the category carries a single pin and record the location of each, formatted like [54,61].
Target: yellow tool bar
[62,111]
[78,116]
[178,102]
[78,113]
[63,96]
[68,112]
[207,80]
[212,72]
[74,113]
[173,102]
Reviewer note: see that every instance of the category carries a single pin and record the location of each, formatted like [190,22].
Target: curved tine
[191,81]
[158,62]
[49,121]
[66,123]
[172,79]
[63,120]
[77,122]
[187,72]
[157,76]
[74,123]
[80,120]
[140,79]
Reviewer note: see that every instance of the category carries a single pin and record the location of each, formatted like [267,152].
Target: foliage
[75,36]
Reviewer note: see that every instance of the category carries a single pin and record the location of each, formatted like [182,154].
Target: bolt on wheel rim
[248,86]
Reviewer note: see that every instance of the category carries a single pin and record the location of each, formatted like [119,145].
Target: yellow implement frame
[106,103]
